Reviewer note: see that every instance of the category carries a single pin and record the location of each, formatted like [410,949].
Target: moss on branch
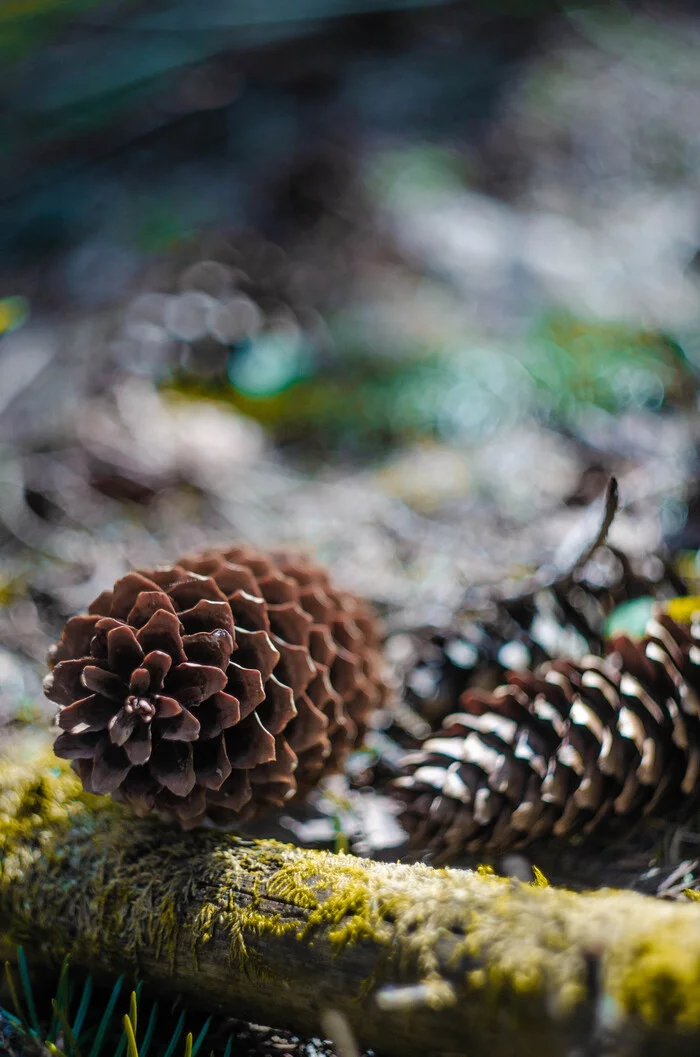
[280,934]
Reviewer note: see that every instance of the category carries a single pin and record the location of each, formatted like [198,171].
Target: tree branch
[419,961]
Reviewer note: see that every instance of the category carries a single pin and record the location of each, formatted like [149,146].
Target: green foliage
[80,1026]
[575,362]
[365,399]
[26,24]
[629,618]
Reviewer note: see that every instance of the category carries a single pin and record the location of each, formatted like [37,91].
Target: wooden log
[418,960]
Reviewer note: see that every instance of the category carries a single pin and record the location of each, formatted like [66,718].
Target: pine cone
[229,682]
[436,665]
[568,749]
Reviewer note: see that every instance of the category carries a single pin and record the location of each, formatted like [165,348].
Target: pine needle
[150,1028]
[132,1048]
[61,1000]
[28,993]
[106,1017]
[83,1007]
[133,1010]
[14,995]
[175,1036]
[200,1038]
[68,1036]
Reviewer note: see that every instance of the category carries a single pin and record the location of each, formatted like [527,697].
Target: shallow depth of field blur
[402,282]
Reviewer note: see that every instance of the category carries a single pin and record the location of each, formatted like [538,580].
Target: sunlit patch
[14,311]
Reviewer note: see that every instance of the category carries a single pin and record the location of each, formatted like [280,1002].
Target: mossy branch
[418,960]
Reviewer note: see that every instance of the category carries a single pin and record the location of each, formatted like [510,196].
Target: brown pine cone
[435,665]
[212,689]
[568,749]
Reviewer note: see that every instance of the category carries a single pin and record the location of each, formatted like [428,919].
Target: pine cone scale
[101,682]
[249,611]
[257,652]
[146,605]
[77,636]
[87,714]
[136,744]
[121,727]
[278,709]
[125,592]
[183,727]
[110,767]
[76,747]
[250,745]
[211,763]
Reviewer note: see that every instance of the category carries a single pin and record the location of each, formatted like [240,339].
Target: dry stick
[563,573]
[611,503]
[414,960]
[547,576]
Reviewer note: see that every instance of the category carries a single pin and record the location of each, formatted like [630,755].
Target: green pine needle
[61,1001]
[106,1017]
[123,1043]
[83,1007]
[200,1038]
[28,994]
[150,1028]
[65,1040]
[175,1036]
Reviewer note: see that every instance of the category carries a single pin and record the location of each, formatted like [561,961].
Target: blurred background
[403,281]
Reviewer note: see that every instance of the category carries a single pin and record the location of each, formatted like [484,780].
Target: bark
[418,960]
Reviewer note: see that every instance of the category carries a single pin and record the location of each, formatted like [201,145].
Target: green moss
[79,873]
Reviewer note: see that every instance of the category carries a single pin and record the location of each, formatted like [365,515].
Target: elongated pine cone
[214,688]
[436,665]
[568,749]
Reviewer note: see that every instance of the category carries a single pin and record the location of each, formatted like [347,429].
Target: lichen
[539,878]
[660,981]
[78,873]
